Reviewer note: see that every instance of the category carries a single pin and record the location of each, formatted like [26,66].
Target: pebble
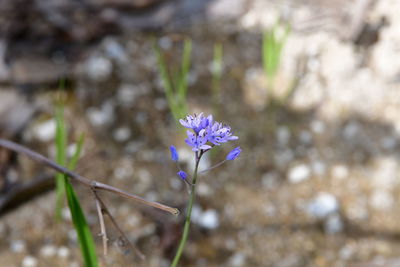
[98,68]
[299,173]
[333,224]
[63,252]
[17,246]
[29,261]
[340,171]
[101,116]
[382,199]
[122,134]
[318,167]
[207,219]
[269,180]
[322,205]
[45,131]
[283,135]
[318,126]
[237,259]
[127,94]
[48,251]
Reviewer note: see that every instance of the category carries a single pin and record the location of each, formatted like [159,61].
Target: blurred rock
[101,116]
[18,246]
[382,200]
[299,173]
[333,224]
[48,251]
[207,219]
[237,260]
[29,261]
[98,68]
[323,205]
[44,131]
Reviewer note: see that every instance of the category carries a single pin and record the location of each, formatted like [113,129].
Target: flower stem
[188,216]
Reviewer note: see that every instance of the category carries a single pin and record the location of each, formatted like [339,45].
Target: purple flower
[234,153]
[197,141]
[174,153]
[197,122]
[182,175]
[219,133]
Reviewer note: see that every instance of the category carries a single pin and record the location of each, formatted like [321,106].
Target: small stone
[323,205]
[283,135]
[29,261]
[122,134]
[45,131]
[305,137]
[17,246]
[101,116]
[63,252]
[333,224]
[351,130]
[48,251]
[318,167]
[98,68]
[237,259]
[269,180]
[66,214]
[318,126]
[382,200]
[299,173]
[209,219]
[340,171]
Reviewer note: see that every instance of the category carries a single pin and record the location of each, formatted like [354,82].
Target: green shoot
[175,84]
[216,71]
[64,187]
[273,42]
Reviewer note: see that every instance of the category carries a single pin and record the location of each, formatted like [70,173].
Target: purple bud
[234,153]
[182,175]
[174,153]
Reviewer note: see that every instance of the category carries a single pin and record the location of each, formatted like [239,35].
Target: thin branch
[114,222]
[87,182]
[103,232]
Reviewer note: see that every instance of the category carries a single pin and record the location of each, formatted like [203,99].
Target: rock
[98,68]
[323,205]
[207,219]
[122,134]
[29,261]
[45,131]
[340,171]
[382,200]
[63,252]
[48,251]
[333,224]
[299,173]
[18,246]
[101,116]
[255,88]
[283,135]
[237,259]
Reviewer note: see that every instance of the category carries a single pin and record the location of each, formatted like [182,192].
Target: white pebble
[323,205]
[63,252]
[122,134]
[382,200]
[98,68]
[283,135]
[340,171]
[209,219]
[299,173]
[48,251]
[317,126]
[333,224]
[29,261]
[238,259]
[45,131]
[17,246]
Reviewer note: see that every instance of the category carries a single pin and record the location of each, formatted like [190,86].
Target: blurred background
[311,87]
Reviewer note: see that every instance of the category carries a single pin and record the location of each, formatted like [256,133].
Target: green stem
[188,216]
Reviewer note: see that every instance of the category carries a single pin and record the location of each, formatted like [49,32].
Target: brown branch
[103,232]
[87,182]
[114,222]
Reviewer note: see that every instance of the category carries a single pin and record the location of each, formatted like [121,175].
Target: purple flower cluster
[206,132]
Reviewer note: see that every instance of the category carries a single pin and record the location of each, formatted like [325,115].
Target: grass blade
[60,159]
